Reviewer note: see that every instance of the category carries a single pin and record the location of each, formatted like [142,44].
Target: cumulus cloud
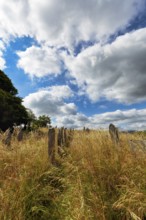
[77,120]
[130,119]
[14,16]
[58,92]
[51,101]
[114,71]
[79,20]
[126,120]
[39,61]
[2,60]
[65,23]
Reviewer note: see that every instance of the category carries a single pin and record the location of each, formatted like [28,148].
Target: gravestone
[8,136]
[51,145]
[20,135]
[114,133]
[138,144]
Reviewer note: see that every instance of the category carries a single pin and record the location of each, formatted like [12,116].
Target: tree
[31,116]
[43,121]
[6,84]
[35,123]
[11,108]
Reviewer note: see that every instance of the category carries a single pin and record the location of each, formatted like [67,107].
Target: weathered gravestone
[20,135]
[138,144]
[114,133]
[59,137]
[51,145]
[8,136]
[65,137]
[86,129]
[70,135]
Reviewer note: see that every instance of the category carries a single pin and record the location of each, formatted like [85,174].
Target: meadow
[93,179]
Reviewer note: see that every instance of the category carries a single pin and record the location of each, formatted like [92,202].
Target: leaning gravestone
[8,136]
[114,133]
[20,135]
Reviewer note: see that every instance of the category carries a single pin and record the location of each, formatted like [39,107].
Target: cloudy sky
[82,62]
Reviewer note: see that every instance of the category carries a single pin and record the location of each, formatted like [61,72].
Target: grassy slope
[94,180]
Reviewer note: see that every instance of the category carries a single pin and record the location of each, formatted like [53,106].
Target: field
[93,179]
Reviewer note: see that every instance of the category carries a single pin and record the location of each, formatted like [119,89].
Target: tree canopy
[43,121]
[40,122]
[6,84]
[11,108]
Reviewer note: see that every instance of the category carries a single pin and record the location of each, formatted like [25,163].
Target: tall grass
[19,168]
[113,178]
[93,180]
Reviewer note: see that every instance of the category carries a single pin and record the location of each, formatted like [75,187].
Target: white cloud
[51,101]
[2,63]
[130,119]
[58,92]
[2,60]
[67,22]
[39,62]
[126,120]
[77,120]
[76,20]
[114,71]
[14,17]
[2,45]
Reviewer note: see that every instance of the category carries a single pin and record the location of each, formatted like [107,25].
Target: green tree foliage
[35,123]
[11,108]
[6,84]
[31,115]
[43,121]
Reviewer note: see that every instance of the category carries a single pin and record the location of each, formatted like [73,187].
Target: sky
[81,62]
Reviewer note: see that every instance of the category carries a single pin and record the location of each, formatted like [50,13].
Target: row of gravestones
[57,139]
[8,135]
[62,137]
[18,133]
[86,129]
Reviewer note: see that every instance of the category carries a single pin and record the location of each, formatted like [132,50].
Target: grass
[94,180]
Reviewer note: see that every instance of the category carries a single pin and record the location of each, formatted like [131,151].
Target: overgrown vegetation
[93,180]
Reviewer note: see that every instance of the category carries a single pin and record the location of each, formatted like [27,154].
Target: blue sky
[81,62]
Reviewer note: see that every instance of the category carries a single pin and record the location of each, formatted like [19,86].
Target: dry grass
[94,180]
[113,178]
[19,167]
